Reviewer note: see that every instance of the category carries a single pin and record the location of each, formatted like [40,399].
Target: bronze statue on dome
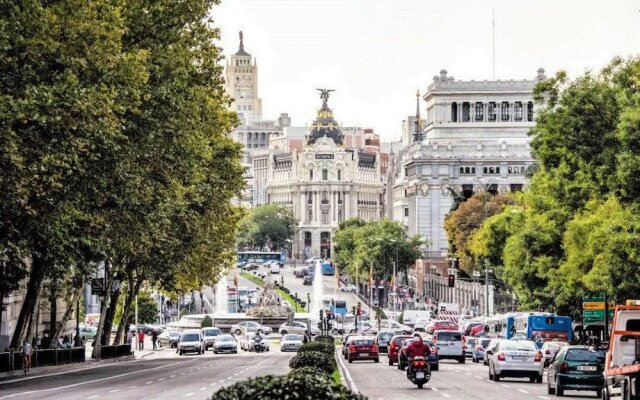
[324,95]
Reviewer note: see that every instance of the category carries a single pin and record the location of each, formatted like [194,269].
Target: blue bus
[542,327]
[261,256]
[327,268]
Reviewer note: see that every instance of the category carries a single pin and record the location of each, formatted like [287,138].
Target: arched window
[325,174]
[497,170]
[454,112]
[484,169]
[491,170]
[461,170]
[339,175]
[466,170]
[310,174]
[473,170]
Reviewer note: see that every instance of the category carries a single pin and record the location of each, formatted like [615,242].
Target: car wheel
[377,360]
[399,364]
[550,390]
[238,332]
[215,351]
[539,379]
[349,359]
[284,332]
[559,390]
[390,362]
[599,393]
[462,360]
[490,374]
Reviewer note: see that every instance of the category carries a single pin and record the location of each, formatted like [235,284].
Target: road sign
[97,286]
[592,316]
[597,305]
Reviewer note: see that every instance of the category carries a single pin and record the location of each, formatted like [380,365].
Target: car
[549,350]
[449,344]
[169,338]
[350,288]
[469,327]
[312,260]
[298,327]
[516,358]
[477,353]
[191,341]
[576,368]
[250,267]
[382,340]
[275,269]
[209,335]
[434,359]
[225,343]
[346,341]
[250,326]
[291,342]
[402,354]
[441,325]
[87,332]
[396,327]
[364,328]
[248,341]
[363,348]
[468,345]
[489,350]
[300,272]
[395,343]
[421,324]
[308,280]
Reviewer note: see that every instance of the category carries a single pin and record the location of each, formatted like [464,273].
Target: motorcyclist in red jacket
[415,349]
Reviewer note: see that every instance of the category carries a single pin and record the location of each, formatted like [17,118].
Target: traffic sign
[591,316]
[97,286]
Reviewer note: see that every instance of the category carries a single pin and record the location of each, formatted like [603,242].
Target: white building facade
[475,139]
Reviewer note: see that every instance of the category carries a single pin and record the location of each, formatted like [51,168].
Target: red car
[394,347]
[363,348]
[441,325]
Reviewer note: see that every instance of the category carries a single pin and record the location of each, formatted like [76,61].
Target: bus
[261,256]
[327,268]
[545,326]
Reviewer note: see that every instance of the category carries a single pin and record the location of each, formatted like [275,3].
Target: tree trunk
[108,322]
[70,307]
[33,324]
[53,309]
[34,287]
[134,288]
[103,310]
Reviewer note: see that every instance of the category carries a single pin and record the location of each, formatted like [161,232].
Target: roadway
[467,381]
[167,376]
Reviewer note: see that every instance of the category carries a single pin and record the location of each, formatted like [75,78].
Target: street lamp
[485,188]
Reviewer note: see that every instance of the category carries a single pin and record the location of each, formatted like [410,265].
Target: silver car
[291,343]
[298,328]
[250,326]
[549,350]
[209,335]
[516,358]
[225,343]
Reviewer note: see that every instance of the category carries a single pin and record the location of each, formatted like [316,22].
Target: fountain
[316,293]
[269,303]
[221,306]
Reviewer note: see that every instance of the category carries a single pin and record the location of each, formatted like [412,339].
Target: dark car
[434,362]
[363,348]
[301,272]
[382,339]
[308,280]
[402,354]
[394,347]
[576,368]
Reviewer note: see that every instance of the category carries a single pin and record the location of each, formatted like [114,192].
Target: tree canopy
[268,225]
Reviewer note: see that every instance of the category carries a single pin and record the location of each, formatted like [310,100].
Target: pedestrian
[154,338]
[60,342]
[129,336]
[27,351]
[141,340]
[46,341]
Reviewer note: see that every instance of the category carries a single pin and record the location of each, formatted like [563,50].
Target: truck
[622,364]
[449,311]
[410,317]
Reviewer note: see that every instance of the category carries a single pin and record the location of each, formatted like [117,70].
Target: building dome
[325,125]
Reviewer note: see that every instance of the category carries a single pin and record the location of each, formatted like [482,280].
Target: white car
[421,324]
[250,326]
[225,343]
[248,341]
[312,260]
[519,358]
[291,343]
[449,344]
[364,328]
[275,268]
[350,288]
[298,328]
[396,327]
[191,341]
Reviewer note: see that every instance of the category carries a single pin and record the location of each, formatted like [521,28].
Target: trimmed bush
[321,346]
[289,387]
[207,322]
[309,371]
[314,359]
[325,338]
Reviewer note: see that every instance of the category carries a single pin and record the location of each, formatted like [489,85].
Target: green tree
[271,224]
[147,310]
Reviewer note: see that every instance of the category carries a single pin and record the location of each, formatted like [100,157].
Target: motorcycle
[419,371]
[258,346]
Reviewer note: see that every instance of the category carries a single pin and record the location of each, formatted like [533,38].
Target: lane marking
[468,373]
[479,377]
[435,389]
[90,397]
[203,388]
[446,395]
[347,376]
[172,376]
[133,387]
[213,384]
[114,390]
[161,379]
[543,397]
[189,394]
[97,380]
[148,383]
[523,391]
[505,385]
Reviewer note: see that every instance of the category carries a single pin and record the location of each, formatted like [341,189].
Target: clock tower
[242,85]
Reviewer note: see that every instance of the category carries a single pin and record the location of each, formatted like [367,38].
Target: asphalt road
[452,381]
[168,377]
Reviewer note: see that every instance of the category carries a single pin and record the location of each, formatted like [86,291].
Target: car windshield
[472,341]
[291,337]
[485,342]
[212,332]
[174,333]
[450,336]
[385,335]
[518,346]
[363,342]
[190,337]
[225,338]
[585,355]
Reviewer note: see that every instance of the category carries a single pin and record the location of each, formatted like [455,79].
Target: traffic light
[353,310]
[321,314]
[359,309]
[452,280]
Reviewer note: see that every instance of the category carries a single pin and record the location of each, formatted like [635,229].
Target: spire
[241,51]
[241,42]
[417,134]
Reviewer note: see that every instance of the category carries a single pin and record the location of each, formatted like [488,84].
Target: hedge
[322,346]
[314,359]
[308,371]
[326,338]
[289,387]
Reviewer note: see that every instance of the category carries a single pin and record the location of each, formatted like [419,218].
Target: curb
[345,375]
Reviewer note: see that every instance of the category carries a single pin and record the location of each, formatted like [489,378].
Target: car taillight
[538,357]
[352,348]
[419,364]
[547,351]
[374,348]
[564,367]
[501,357]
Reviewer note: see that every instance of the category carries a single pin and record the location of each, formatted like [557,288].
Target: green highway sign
[591,316]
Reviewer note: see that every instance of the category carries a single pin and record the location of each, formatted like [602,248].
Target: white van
[449,344]
[410,317]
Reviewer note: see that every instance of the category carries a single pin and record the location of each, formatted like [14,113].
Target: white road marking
[446,395]
[189,394]
[468,373]
[505,385]
[479,377]
[114,390]
[133,387]
[90,397]
[221,380]
[523,391]
[172,376]
[203,388]
[213,384]
[161,379]
[148,383]
[543,397]
[435,389]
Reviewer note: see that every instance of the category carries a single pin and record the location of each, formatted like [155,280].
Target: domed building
[324,184]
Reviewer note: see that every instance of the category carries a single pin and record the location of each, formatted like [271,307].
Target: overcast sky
[377,53]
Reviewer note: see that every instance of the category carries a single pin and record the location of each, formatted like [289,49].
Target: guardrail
[115,351]
[12,360]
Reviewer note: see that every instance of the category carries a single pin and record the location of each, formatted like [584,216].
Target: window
[454,112]
[492,111]
[325,174]
[310,174]
[473,170]
[339,175]
[310,199]
[466,112]
[518,111]
[325,217]
[516,187]
[505,111]
[485,170]
[310,215]
[479,111]
[406,211]
[461,170]
[530,111]
[466,170]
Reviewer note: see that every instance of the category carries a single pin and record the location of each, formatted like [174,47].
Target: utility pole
[486,286]
[395,294]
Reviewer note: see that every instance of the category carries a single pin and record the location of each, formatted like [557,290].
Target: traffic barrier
[12,360]
[115,351]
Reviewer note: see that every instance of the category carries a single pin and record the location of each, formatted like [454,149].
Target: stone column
[485,112]
[512,111]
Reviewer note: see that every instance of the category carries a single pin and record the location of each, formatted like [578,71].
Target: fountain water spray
[316,293]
